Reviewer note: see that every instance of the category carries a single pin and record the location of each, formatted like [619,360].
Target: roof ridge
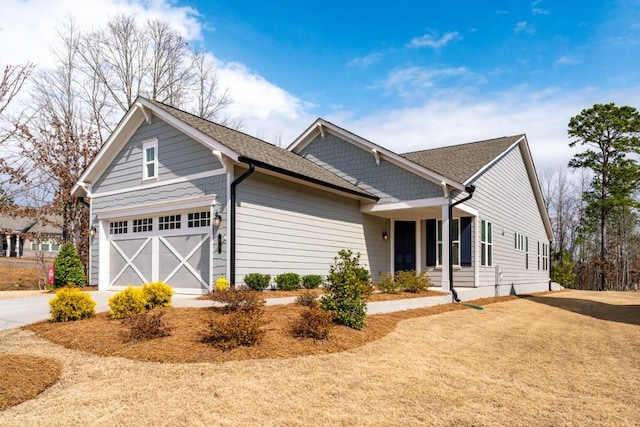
[206,120]
[464,143]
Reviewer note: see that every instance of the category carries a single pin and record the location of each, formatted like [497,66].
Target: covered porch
[419,236]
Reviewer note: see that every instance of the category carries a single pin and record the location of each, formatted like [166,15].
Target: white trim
[476,240]
[392,248]
[467,209]
[147,114]
[200,175]
[445,284]
[230,178]
[418,246]
[409,204]
[306,137]
[103,256]
[376,155]
[147,145]
[493,161]
[129,261]
[158,207]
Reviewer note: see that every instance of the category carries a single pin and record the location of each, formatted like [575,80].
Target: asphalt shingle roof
[461,162]
[255,149]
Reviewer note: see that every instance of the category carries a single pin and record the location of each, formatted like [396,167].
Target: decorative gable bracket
[147,114]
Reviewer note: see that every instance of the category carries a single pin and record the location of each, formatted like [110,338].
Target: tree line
[594,210]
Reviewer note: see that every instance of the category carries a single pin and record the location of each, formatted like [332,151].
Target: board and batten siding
[387,181]
[178,156]
[287,227]
[505,197]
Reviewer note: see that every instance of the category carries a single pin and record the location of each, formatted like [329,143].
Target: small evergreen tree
[347,290]
[562,271]
[68,267]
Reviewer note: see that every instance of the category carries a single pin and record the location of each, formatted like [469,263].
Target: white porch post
[444,281]
[7,252]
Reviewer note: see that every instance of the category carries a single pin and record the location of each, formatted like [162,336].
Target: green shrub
[157,294]
[71,304]
[257,281]
[307,299]
[288,281]
[145,326]
[311,281]
[387,284]
[128,302]
[313,323]
[68,267]
[410,281]
[347,290]
[240,328]
[236,299]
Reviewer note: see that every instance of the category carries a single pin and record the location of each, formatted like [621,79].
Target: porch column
[7,238]
[444,281]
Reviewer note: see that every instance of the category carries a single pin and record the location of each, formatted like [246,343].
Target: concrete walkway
[16,312]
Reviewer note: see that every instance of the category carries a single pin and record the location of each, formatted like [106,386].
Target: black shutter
[465,241]
[432,241]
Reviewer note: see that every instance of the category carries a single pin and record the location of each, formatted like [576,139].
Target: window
[526,256]
[518,242]
[55,247]
[169,222]
[538,255]
[545,256]
[150,159]
[34,246]
[455,241]
[486,242]
[199,219]
[46,246]
[118,227]
[142,224]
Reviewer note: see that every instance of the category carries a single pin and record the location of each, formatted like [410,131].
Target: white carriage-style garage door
[175,249]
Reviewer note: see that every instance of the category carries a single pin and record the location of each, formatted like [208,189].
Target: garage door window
[199,219]
[118,227]
[169,222]
[142,224]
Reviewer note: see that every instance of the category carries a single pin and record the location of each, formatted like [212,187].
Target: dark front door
[404,245]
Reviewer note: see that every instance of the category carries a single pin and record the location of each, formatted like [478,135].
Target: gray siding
[286,227]
[505,197]
[386,180]
[183,190]
[178,155]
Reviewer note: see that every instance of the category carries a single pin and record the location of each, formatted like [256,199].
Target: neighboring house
[180,199]
[23,236]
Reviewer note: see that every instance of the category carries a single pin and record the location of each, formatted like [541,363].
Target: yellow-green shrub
[222,284]
[158,294]
[71,304]
[128,302]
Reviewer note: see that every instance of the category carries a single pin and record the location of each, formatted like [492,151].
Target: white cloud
[431,40]
[524,27]
[458,117]
[28,26]
[414,81]
[365,61]
[566,60]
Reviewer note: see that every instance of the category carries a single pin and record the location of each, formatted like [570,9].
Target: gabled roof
[321,125]
[236,145]
[50,224]
[461,162]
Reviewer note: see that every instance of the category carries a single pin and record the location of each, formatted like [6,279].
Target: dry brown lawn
[568,358]
[18,276]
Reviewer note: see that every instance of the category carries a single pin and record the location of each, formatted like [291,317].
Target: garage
[175,249]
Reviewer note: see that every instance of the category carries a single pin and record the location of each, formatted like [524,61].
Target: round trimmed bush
[311,281]
[128,302]
[288,281]
[157,294]
[257,281]
[71,304]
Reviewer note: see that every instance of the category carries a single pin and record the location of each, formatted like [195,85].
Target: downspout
[232,257]
[469,189]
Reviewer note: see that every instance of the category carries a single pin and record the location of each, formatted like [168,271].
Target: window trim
[486,245]
[453,242]
[145,163]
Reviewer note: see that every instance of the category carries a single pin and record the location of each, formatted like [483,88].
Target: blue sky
[408,75]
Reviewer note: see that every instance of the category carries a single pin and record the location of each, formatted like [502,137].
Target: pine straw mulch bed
[23,377]
[102,336]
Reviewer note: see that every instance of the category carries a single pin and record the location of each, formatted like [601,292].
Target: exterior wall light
[385,235]
[92,232]
[217,219]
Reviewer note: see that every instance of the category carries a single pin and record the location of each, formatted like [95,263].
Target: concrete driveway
[16,312]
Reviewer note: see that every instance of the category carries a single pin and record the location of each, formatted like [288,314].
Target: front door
[404,245]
